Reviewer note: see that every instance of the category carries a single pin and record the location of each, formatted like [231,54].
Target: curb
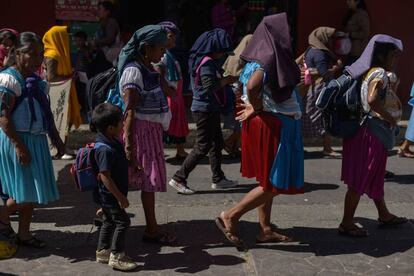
[81,136]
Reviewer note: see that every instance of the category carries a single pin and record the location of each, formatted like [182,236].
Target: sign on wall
[80,10]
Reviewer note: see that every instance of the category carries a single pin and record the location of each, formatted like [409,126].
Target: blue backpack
[152,99]
[84,170]
[340,102]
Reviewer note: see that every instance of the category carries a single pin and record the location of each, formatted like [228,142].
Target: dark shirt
[82,60]
[111,159]
[319,59]
[203,91]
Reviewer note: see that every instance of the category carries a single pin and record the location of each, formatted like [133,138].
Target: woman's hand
[133,163]
[228,80]
[246,113]
[23,155]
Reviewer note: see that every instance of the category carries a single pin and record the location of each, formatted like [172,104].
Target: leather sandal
[231,237]
[405,153]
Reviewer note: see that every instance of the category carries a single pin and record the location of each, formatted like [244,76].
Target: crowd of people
[264,96]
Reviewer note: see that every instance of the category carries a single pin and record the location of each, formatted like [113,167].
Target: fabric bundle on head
[233,65]
[320,38]
[270,47]
[214,41]
[170,27]
[364,63]
[148,35]
[56,44]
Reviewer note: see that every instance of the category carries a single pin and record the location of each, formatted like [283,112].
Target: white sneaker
[102,256]
[224,184]
[122,262]
[67,157]
[180,187]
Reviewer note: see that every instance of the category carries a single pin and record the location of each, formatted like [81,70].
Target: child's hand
[135,165]
[123,202]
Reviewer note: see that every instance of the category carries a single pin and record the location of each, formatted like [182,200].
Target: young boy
[112,166]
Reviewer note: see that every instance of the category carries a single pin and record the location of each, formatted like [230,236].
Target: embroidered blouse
[289,107]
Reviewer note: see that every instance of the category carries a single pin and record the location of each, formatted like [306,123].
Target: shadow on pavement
[205,161]
[239,189]
[245,188]
[319,155]
[404,179]
[327,242]
[310,187]
[192,253]
[73,208]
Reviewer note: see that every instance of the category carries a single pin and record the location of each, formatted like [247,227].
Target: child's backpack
[84,170]
[340,102]
[98,87]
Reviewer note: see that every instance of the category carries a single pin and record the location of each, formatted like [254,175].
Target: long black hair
[23,44]
[360,5]
[108,6]
[381,51]
[9,35]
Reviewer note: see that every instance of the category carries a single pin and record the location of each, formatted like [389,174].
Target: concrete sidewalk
[79,137]
[312,218]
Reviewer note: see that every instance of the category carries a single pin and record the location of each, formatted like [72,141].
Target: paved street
[311,218]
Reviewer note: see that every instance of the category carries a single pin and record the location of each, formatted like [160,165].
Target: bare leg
[181,151]
[265,211]
[351,203]
[255,198]
[404,150]
[327,143]
[25,218]
[266,232]
[148,203]
[383,213]
[406,145]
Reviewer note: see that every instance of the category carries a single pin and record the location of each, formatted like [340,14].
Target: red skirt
[260,141]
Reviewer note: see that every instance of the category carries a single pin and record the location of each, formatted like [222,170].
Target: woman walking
[320,58]
[365,154]
[272,148]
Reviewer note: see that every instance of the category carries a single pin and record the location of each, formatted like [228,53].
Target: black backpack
[340,102]
[98,87]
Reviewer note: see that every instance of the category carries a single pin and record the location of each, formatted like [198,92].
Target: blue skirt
[288,168]
[409,134]
[33,183]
